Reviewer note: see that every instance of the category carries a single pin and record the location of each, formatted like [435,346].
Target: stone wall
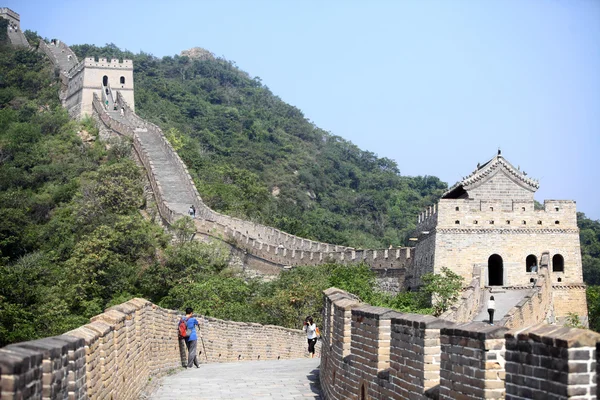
[467,232]
[424,259]
[265,243]
[472,363]
[550,362]
[376,353]
[471,298]
[570,298]
[535,307]
[120,350]
[461,249]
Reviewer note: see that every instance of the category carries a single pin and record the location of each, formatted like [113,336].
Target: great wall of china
[367,352]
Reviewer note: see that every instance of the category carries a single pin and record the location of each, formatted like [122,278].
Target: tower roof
[484,172]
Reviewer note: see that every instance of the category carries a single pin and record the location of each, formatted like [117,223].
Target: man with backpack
[187,331]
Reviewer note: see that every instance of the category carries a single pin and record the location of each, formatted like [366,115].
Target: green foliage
[4,32]
[443,288]
[589,236]
[241,144]
[184,229]
[176,139]
[72,240]
[593,301]
[573,321]
[32,37]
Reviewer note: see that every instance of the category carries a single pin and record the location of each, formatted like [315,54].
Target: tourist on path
[191,342]
[491,308]
[311,334]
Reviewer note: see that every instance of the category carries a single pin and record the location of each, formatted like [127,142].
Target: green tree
[444,289]
[593,301]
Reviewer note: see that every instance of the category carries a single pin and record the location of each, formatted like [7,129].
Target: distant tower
[15,35]
[91,76]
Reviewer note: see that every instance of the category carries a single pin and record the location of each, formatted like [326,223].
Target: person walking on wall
[311,334]
[191,342]
[491,308]
[192,211]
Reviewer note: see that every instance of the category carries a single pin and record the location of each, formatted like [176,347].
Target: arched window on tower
[558,263]
[531,263]
[122,80]
[105,80]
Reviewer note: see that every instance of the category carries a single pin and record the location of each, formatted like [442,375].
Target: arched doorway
[105,80]
[495,270]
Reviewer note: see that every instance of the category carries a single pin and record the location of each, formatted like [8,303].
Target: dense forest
[76,234]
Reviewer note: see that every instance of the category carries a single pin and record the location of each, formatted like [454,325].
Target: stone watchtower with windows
[15,35]
[103,77]
[488,222]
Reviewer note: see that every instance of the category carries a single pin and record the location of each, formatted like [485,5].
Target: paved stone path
[283,379]
[166,169]
[174,188]
[65,64]
[505,300]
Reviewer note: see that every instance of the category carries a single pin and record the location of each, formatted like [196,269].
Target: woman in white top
[311,334]
[491,309]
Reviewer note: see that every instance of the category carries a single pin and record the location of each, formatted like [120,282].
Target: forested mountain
[256,157]
[73,240]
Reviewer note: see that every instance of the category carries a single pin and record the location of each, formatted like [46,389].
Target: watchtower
[14,20]
[15,35]
[488,221]
[103,77]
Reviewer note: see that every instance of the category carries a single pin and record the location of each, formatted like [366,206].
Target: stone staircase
[506,298]
[174,187]
[64,57]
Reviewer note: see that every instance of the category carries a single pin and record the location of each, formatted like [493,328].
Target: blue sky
[436,86]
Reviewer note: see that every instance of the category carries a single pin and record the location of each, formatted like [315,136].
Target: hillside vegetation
[73,240]
[254,156]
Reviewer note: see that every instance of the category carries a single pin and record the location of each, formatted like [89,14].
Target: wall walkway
[175,191]
[265,380]
[116,354]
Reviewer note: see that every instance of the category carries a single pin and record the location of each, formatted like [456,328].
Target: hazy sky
[436,86]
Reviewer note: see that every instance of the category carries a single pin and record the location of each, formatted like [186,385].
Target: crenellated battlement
[492,214]
[101,62]
[373,352]
[121,350]
[11,15]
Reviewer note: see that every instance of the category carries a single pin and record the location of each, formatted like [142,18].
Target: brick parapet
[535,307]
[472,361]
[551,362]
[470,300]
[421,351]
[120,349]
[433,358]
[416,356]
